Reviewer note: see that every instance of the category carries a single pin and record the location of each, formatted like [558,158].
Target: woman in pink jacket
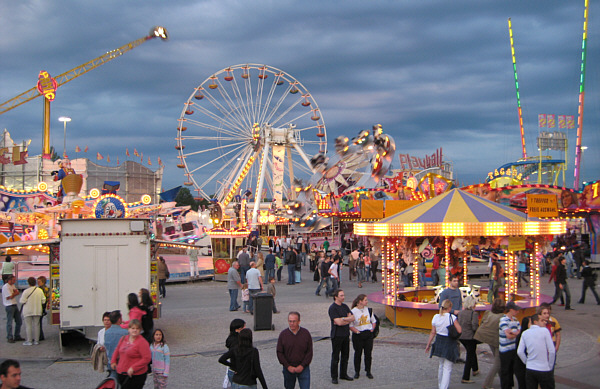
[135,312]
[131,358]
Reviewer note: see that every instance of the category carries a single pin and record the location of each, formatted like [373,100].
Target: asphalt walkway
[196,319]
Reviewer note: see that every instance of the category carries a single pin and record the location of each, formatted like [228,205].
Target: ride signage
[542,205]
[47,85]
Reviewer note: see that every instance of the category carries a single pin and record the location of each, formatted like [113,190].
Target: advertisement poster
[278,166]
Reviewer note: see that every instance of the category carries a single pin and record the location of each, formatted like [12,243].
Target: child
[161,359]
[245,298]
[271,290]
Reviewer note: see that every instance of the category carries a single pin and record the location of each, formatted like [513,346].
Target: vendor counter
[418,309]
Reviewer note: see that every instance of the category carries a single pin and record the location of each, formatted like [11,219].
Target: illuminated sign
[47,85]
[542,205]
[505,173]
[408,162]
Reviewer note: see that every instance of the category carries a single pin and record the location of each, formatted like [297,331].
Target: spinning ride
[238,129]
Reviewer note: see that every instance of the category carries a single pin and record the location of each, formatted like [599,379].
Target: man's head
[10,374]
[235,265]
[453,281]
[511,308]
[339,296]
[563,260]
[270,251]
[253,264]
[244,249]
[294,321]
[31,281]
[106,319]
[115,317]
[537,320]
[11,280]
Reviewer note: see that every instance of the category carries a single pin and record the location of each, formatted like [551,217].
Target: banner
[562,121]
[541,120]
[551,121]
[371,209]
[570,122]
[542,205]
[516,243]
[278,168]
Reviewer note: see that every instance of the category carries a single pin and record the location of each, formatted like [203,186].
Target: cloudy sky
[433,73]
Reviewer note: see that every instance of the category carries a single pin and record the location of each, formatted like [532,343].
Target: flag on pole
[149,162]
[562,121]
[117,160]
[570,122]
[541,120]
[99,156]
[127,152]
[86,149]
[135,152]
[108,158]
[160,162]
[77,149]
[551,121]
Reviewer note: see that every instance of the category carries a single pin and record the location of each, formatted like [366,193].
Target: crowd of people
[130,349]
[524,352]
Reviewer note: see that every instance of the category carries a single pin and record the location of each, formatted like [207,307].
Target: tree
[184,197]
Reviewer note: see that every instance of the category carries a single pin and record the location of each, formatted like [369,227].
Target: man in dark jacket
[561,280]
[589,281]
[295,352]
[290,259]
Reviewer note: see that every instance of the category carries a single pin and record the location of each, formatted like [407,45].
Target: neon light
[519,109]
[577,170]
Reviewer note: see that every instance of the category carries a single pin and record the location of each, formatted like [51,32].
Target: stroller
[109,383]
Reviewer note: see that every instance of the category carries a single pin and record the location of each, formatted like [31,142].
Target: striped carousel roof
[459,213]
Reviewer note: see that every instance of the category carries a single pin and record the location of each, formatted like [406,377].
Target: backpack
[376,329]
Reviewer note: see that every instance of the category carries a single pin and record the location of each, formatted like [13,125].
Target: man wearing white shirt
[537,351]
[9,300]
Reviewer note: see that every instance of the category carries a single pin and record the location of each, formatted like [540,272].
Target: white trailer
[100,262]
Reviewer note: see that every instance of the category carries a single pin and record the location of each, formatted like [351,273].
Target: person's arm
[225,359]
[167,354]
[521,350]
[258,370]
[558,336]
[510,334]
[342,321]
[431,337]
[309,353]
[281,353]
[260,282]
[550,348]
[457,325]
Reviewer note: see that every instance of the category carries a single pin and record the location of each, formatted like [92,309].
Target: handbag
[453,332]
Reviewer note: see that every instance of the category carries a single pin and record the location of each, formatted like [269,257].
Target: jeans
[243,270]
[362,275]
[569,264]
[289,379]
[162,287]
[557,294]
[12,313]
[32,328]
[435,276]
[471,362]
[444,372]
[363,341]
[341,348]
[233,304]
[567,293]
[252,293]
[269,273]
[374,265]
[323,284]
[291,274]
[279,273]
[334,286]
[238,386]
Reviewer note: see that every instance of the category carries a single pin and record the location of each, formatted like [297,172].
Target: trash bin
[263,312]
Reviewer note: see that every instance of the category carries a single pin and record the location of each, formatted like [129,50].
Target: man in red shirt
[295,352]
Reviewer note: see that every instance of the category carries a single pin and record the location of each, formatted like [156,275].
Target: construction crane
[48,85]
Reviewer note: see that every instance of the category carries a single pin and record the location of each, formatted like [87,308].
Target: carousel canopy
[459,213]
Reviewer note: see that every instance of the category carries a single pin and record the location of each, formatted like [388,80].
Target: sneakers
[35,342]
[467,381]
[27,343]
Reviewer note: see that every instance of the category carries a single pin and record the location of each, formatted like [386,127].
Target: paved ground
[195,319]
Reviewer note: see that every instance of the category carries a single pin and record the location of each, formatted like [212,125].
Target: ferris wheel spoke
[249,99]
[218,130]
[247,117]
[213,149]
[269,98]
[233,108]
[216,159]
[277,105]
[288,110]
[231,121]
[228,126]
[296,119]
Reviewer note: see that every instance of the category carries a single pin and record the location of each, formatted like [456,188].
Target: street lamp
[64,119]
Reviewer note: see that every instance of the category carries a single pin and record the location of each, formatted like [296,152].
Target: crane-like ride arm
[37,91]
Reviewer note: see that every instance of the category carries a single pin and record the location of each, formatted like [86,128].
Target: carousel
[454,221]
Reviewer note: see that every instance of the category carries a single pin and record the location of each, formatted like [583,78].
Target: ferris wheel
[249,128]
